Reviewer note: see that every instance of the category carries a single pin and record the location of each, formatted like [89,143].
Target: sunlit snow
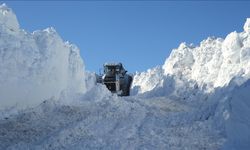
[198,99]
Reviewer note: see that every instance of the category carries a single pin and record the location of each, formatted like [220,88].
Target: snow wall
[35,66]
[40,65]
[215,73]
[210,65]
[231,115]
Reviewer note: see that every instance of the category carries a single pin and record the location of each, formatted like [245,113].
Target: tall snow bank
[35,66]
[237,118]
[216,76]
[231,114]
[211,64]
[215,61]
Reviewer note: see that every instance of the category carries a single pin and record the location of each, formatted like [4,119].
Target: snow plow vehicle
[115,78]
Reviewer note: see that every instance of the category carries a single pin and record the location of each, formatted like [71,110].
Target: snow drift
[215,74]
[211,64]
[35,66]
[231,114]
[198,99]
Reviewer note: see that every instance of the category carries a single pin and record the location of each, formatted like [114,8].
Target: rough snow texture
[35,66]
[247,26]
[231,114]
[110,123]
[199,99]
[155,74]
[8,18]
[215,73]
[211,64]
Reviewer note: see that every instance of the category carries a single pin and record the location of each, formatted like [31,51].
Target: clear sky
[139,34]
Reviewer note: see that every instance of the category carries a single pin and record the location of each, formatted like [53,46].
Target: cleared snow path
[112,123]
[198,100]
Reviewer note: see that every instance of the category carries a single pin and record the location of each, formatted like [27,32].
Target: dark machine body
[116,79]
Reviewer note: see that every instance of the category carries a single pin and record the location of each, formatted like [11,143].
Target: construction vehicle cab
[116,79]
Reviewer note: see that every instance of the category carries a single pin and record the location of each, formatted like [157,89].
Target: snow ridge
[35,66]
[213,77]
[211,64]
[199,99]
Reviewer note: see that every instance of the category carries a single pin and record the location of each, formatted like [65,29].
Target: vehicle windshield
[111,69]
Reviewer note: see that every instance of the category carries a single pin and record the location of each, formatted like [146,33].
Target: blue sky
[139,34]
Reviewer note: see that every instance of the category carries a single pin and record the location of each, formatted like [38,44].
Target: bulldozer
[115,78]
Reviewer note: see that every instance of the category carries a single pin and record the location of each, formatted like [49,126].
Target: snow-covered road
[197,100]
[112,123]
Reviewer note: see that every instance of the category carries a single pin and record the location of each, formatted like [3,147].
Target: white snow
[211,64]
[238,122]
[151,79]
[231,114]
[198,99]
[247,26]
[8,18]
[216,74]
[35,66]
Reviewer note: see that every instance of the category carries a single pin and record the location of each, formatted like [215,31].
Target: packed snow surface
[198,99]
